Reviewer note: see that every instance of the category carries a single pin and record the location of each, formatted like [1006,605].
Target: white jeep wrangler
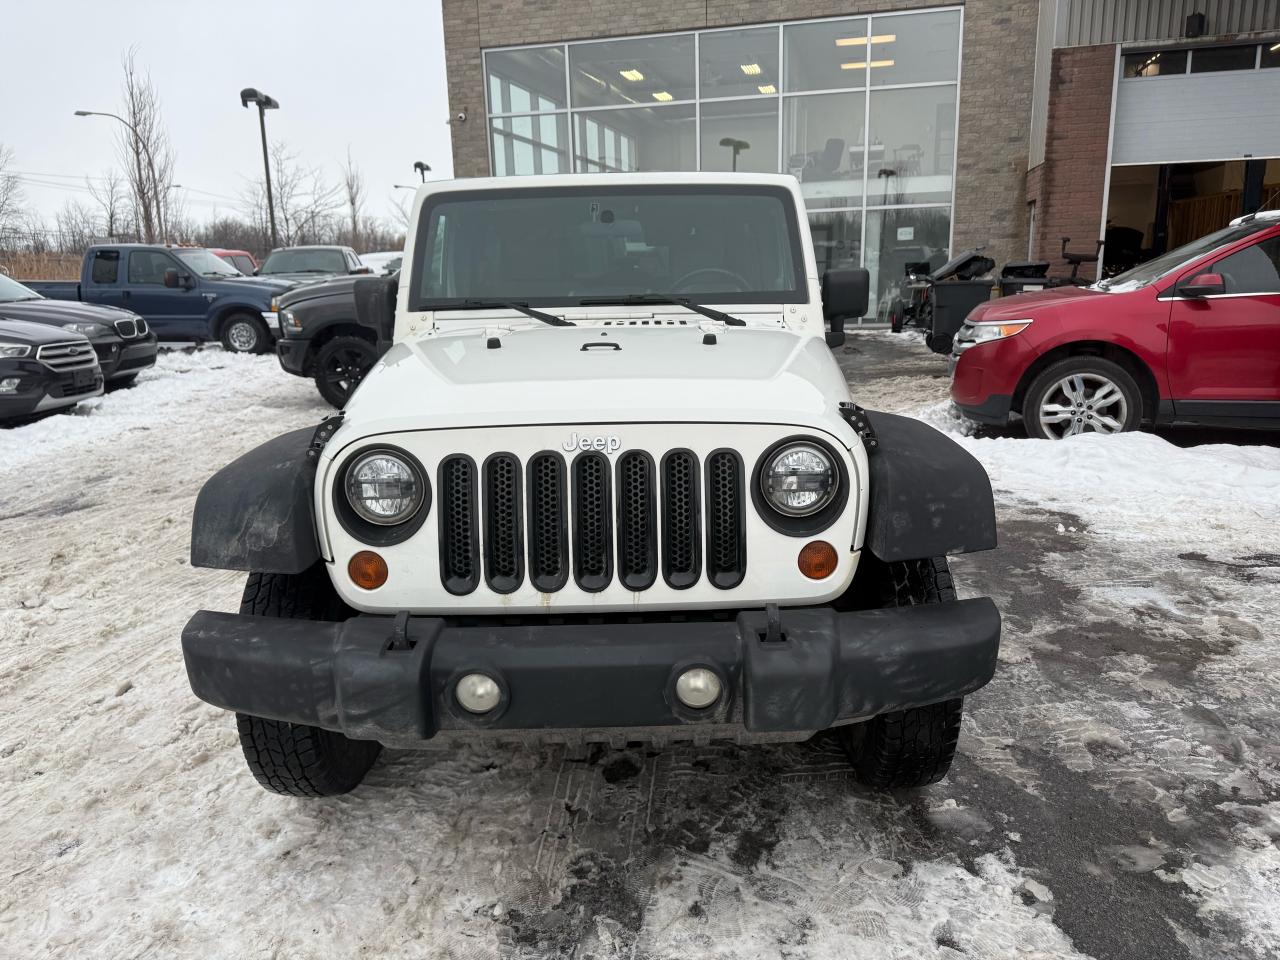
[606,483]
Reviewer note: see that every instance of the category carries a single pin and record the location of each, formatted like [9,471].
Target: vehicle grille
[586,518]
[127,328]
[72,355]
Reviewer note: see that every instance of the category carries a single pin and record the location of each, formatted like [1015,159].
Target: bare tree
[306,203]
[353,190]
[109,193]
[78,225]
[145,150]
[10,189]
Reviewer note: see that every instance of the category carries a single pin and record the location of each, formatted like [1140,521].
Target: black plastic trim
[374,534]
[814,523]
[449,578]
[592,583]
[500,583]
[686,579]
[540,581]
[641,579]
[725,578]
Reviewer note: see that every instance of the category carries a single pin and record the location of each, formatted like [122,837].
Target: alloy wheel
[1083,403]
[242,336]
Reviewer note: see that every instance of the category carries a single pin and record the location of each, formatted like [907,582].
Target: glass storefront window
[898,237]
[639,71]
[623,141]
[526,81]
[530,145]
[921,48]
[830,55]
[1158,64]
[822,147]
[739,63]
[1214,59]
[837,239]
[740,135]
[913,142]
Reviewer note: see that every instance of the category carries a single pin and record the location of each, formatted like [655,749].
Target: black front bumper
[355,677]
[40,388]
[292,355]
[123,358]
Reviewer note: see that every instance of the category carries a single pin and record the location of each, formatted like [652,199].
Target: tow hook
[857,418]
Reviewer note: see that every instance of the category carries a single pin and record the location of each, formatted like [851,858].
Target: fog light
[9,385]
[478,693]
[698,688]
[367,570]
[817,560]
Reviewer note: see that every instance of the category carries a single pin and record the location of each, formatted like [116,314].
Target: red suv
[1192,336]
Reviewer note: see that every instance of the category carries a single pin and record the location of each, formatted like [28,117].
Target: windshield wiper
[643,299]
[514,305]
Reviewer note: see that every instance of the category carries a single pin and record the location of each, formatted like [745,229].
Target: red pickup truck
[1192,336]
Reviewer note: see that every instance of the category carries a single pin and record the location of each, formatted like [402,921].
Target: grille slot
[503,538]
[726,531]
[127,328]
[681,532]
[548,540]
[459,534]
[592,560]
[71,355]
[637,533]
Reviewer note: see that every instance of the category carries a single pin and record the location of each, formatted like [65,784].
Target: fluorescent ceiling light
[767,88]
[862,41]
[633,75]
[750,69]
[662,96]
[862,64]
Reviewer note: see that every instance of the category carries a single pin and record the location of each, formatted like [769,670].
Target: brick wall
[1067,187]
[997,67]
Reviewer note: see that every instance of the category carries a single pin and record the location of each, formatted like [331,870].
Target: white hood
[543,375]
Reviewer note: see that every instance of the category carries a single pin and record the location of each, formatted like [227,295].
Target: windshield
[206,264]
[11,290]
[305,261]
[1152,270]
[560,246]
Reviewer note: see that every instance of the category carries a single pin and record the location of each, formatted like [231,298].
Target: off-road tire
[290,758]
[897,311]
[906,748]
[233,344]
[353,354]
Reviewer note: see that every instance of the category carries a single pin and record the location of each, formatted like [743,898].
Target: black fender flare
[929,496]
[256,513]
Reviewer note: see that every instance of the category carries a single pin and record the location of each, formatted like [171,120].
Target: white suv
[606,483]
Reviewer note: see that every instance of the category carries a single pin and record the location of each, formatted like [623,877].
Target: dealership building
[915,130]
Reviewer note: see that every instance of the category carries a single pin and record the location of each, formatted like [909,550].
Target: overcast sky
[368,74]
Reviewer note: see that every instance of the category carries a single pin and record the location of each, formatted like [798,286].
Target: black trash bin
[952,301]
[1022,276]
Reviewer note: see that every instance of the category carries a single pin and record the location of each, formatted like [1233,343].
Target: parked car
[1192,336]
[124,344]
[384,263]
[242,260]
[185,293]
[613,494]
[321,338]
[43,368]
[311,263]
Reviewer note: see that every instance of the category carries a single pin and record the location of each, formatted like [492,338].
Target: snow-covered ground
[1117,792]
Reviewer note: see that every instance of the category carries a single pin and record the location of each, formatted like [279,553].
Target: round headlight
[799,480]
[383,488]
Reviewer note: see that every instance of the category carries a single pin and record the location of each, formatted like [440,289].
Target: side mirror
[845,293]
[1204,285]
[376,308]
[171,279]
[835,338]
[362,270]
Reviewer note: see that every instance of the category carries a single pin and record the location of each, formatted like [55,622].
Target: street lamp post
[151,162]
[737,146]
[422,168]
[247,96]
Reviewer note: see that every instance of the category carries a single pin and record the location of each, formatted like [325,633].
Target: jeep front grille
[586,518]
[71,355]
[459,537]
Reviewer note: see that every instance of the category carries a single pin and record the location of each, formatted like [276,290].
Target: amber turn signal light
[367,570]
[817,560]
